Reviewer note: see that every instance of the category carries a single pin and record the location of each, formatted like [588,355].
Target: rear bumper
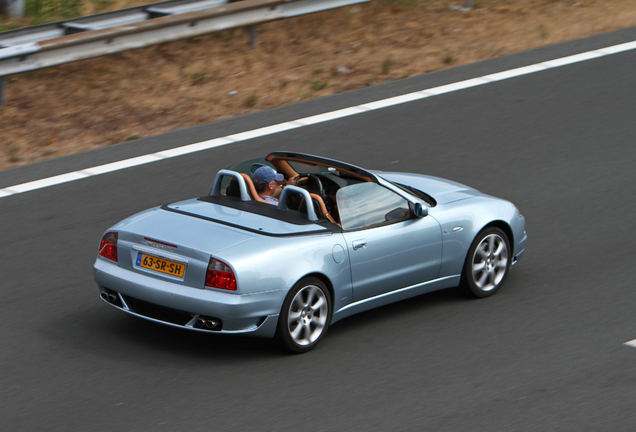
[255,313]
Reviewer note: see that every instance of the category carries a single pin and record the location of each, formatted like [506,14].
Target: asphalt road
[546,353]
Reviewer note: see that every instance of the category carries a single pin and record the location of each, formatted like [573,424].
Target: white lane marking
[39,184]
[268,130]
[575,58]
[631,343]
[619,48]
[333,115]
[395,100]
[320,118]
[513,73]
[196,147]
[126,163]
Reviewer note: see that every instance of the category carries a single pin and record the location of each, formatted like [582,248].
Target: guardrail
[62,42]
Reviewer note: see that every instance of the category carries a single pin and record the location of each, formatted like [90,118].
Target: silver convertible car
[341,241]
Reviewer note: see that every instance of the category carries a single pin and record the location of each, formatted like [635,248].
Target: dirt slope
[103,101]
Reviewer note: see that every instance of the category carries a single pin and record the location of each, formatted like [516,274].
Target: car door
[388,248]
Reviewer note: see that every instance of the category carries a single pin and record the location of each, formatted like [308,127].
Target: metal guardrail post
[15,8]
[252,37]
[3,99]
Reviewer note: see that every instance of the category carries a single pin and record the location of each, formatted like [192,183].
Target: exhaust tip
[111,297]
[208,323]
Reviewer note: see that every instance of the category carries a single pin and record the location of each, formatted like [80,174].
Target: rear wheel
[487,263]
[305,315]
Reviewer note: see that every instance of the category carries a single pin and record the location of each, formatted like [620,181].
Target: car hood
[442,190]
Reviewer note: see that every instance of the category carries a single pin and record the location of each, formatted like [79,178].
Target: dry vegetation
[107,100]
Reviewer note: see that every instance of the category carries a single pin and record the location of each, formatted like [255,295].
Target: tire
[305,316]
[487,263]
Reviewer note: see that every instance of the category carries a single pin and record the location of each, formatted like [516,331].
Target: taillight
[219,275]
[108,246]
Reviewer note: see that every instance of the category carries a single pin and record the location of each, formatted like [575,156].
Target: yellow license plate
[161,265]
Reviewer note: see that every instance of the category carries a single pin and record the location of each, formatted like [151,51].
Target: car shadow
[106,332]
[418,305]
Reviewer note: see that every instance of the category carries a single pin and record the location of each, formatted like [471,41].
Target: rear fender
[277,263]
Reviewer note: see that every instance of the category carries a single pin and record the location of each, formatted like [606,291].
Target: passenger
[265,179]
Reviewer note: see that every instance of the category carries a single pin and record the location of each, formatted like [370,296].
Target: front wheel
[487,263]
[305,316]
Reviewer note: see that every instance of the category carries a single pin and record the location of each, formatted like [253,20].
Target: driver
[265,182]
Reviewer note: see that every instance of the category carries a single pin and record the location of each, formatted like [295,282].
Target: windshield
[368,204]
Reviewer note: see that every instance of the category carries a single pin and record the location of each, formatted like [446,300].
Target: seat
[234,190]
[319,207]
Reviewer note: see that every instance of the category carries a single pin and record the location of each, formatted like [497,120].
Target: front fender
[461,221]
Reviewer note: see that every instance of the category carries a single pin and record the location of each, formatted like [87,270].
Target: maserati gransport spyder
[337,240]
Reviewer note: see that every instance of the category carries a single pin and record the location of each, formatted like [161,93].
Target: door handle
[359,244]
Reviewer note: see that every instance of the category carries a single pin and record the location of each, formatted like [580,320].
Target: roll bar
[245,195]
[282,201]
[216,189]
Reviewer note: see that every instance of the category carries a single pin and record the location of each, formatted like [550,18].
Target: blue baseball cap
[267,174]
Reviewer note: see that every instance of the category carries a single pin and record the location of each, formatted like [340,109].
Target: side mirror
[396,214]
[419,210]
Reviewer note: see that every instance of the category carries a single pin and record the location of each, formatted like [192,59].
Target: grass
[45,11]
[197,77]
[13,153]
[386,65]
[318,85]
[400,4]
[543,31]
[250,101]
[42,11]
